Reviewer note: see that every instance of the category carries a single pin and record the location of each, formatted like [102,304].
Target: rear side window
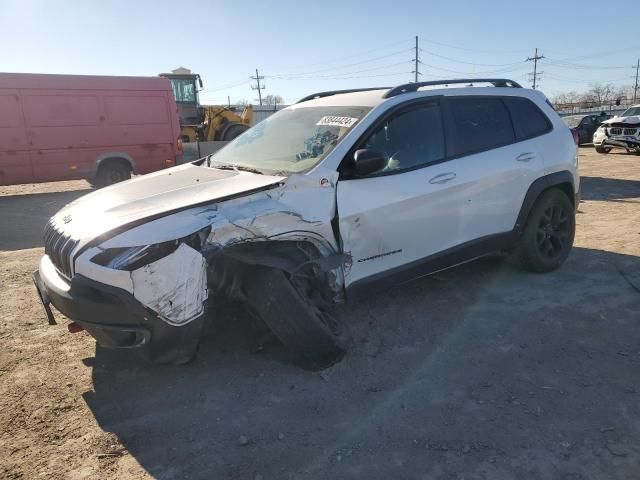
[529,121]
[480,123]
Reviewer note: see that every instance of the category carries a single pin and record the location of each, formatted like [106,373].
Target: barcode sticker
[334,121]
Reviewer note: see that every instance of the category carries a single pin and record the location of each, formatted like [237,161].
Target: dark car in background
[585,125]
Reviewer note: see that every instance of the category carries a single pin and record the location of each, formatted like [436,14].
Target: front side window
[292,140]
[480,123]
[410,139]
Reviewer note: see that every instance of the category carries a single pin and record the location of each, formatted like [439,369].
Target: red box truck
[63,127]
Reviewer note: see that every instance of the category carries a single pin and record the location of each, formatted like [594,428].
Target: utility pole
[257,78]
[535,59]
[417,61]
[635,88]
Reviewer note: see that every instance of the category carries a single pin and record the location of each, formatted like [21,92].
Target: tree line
[599,94]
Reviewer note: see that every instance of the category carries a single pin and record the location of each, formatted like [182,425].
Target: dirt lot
[478,372]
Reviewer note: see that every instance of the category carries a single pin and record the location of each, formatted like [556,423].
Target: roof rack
[413,87]
[338,92]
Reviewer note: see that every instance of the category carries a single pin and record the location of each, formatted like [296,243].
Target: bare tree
[241,101]
[272,100]
[624,94]
[600,94]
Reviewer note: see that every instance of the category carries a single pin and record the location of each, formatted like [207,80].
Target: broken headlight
[132,258]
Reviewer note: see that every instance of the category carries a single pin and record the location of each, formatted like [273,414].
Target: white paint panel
[389,221]
[494,185]
[175,286]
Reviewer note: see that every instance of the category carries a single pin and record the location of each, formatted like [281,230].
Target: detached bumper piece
[116,319]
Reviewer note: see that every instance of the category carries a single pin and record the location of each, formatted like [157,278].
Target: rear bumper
[115,318]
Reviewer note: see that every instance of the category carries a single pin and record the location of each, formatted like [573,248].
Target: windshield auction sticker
[334,121]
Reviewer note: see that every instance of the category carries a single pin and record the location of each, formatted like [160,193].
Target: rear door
[409,210]
[15,163]
[497,161]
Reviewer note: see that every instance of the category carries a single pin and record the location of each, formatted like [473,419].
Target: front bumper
[619,141]
[114,317]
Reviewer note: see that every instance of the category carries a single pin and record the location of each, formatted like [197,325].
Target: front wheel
[549,233]
[603,149]
[303,324]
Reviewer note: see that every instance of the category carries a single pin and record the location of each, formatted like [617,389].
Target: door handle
[443,178]
[525,157]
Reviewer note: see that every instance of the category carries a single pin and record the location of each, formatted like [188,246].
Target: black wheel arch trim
[563,177]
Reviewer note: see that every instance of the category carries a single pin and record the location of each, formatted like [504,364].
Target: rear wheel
[603,149]
[548,235]
[300,320]
[111,172]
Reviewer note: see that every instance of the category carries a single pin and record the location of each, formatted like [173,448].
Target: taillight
[179,144]
[576,137]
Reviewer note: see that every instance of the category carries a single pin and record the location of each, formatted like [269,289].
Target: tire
[234,130]
[112,172]
[311,333]
[549,233]
[603,149]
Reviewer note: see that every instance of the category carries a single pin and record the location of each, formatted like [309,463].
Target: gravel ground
[478,372]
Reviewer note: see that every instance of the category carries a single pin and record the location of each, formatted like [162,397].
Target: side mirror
[367,161]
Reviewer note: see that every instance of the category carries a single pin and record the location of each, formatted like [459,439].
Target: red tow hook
[74,327]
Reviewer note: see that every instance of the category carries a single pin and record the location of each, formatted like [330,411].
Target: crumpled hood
[154,194]
[633,120]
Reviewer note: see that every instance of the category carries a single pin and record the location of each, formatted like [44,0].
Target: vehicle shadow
[23,217]
[602,188]
[445,366]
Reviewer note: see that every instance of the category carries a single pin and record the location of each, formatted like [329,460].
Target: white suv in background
[320,200]
[619,132]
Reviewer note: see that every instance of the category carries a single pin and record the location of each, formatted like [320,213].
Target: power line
[600,54]
[565,64]
[302,77]
[535,59]
[226,86]
[469,63]
[473,49]
[350,77]
[476,73]
[340,67]
[341,59]
[257,78]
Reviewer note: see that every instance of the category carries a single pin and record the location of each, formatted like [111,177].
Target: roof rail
[413,87]
[338,92]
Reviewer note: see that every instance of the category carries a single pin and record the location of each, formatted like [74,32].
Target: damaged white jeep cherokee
[330,194]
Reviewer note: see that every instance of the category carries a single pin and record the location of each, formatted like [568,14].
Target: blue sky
[302,47]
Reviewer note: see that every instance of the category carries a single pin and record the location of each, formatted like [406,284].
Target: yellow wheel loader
[204,123]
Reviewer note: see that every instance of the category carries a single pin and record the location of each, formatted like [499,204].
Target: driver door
[395,217]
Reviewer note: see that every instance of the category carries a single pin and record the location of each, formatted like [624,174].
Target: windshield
[573,121]
[293,140]
[630,112]
[184,90]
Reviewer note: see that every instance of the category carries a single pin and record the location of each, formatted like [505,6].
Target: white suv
[317,202]
[619,132]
